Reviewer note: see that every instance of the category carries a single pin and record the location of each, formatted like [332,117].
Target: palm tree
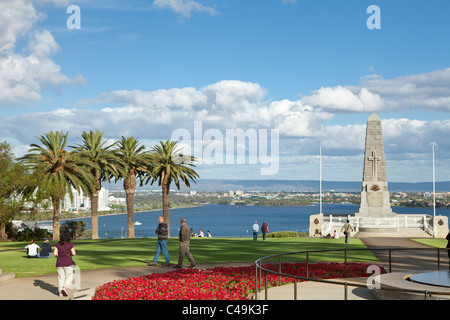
[61,170]
[169,165]
[103,164]
[135,163]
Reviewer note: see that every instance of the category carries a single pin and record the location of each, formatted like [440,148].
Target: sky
[293,76]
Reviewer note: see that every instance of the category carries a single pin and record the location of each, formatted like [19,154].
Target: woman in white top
[32,249]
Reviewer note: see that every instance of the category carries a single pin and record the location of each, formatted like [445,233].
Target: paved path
[45,287]
[405,254]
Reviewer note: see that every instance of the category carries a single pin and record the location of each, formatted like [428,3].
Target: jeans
[347,237]
[255,235]
[161,245]
[184,251]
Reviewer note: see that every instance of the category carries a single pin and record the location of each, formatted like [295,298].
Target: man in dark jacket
[163,234]
[184,237]
[46,251]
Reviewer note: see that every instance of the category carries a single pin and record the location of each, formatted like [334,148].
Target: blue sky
[310,69]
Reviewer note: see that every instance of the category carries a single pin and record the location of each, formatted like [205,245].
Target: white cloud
[345,99]
[184,7]
[225,105]
[24,75]
[428,91]
[229,104]
[222,105]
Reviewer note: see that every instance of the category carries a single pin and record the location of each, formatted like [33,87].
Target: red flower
[232,283]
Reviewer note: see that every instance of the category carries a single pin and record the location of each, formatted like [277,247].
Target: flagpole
[320,169]
[434,194]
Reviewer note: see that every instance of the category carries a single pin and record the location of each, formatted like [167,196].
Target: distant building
[81,202]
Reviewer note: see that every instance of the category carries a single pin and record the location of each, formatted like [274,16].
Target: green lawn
[437,243]
[98,254]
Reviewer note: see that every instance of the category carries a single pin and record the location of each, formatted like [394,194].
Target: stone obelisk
[374,195]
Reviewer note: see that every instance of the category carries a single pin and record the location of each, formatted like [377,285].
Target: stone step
[6,276]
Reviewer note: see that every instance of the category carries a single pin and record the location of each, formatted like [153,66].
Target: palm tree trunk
[94,215]
[129,184]
[166,203]
[130,210]
[56,216]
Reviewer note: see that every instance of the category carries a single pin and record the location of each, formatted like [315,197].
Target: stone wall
[441,223]
[315,225]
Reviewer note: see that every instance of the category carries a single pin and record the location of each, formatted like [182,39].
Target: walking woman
[64,250]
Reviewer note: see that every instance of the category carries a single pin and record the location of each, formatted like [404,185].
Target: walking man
[163,234]
[347,228]
[184,237]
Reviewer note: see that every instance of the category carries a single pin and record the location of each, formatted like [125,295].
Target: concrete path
[45,287]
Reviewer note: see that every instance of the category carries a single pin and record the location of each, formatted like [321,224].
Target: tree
[135,162]
[13,184]
[102,163]
[61,170]
[170,165]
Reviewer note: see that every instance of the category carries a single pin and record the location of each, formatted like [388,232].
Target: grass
[112,253]
[437,243]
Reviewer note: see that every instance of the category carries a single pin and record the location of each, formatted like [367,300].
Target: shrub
[285,234]
[76,228]
[26,234]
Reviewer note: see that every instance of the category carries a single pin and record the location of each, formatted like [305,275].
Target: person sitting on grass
[46,251]
[32,249]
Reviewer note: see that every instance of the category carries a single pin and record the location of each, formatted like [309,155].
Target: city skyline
[311,72]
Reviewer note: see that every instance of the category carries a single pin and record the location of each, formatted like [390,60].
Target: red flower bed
[231,283]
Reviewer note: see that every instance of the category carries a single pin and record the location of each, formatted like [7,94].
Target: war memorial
[375,216]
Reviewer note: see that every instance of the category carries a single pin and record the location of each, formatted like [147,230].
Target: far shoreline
[115,214]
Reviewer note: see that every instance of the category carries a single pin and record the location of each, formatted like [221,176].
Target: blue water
[232,220]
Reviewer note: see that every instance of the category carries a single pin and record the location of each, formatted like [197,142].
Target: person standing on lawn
[163,235]
[255,231]
[184,237]
[264,230]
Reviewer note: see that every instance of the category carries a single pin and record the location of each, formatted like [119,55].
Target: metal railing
[259,269]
